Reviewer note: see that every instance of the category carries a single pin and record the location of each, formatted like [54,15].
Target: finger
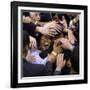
[34,44]
[30,45]
[63,40]
[50,30]
[51,35]
[63,18]
[62,57]
[58,57]
[64,62]
[53,32]
[61,22]
[59,28]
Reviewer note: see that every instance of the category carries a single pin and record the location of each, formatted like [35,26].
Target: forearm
[39,29]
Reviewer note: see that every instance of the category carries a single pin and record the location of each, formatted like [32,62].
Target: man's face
[45,42]
[35,16]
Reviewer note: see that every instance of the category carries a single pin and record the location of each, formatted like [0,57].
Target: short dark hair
[26,14]
[25,39]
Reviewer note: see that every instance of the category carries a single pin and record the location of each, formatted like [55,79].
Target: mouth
[46,44]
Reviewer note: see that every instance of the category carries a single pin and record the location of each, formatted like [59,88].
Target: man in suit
[30,69]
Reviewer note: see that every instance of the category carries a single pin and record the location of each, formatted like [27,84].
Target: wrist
[58,69]
[39,29]
[54,53]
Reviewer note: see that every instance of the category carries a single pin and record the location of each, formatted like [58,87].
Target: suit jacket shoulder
[32,69]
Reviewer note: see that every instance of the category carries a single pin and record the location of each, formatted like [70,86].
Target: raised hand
[64,23]
[33,42]
[60,62]
[66,44]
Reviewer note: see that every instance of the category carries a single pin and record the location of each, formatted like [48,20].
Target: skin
[35,16]
[50,29]
[45,42]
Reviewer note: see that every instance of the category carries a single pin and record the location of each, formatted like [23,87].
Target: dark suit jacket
[29,28]
[75,59]
[30,69]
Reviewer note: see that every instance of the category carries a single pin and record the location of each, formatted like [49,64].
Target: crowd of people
[50,43]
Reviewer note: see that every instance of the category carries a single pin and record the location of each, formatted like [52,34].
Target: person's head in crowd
[55,17]
[25,43]
[26,17]
[35,16]
[45,42]
[26,14]
[47,45]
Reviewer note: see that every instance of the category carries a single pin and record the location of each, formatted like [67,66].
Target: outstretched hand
[50,29]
